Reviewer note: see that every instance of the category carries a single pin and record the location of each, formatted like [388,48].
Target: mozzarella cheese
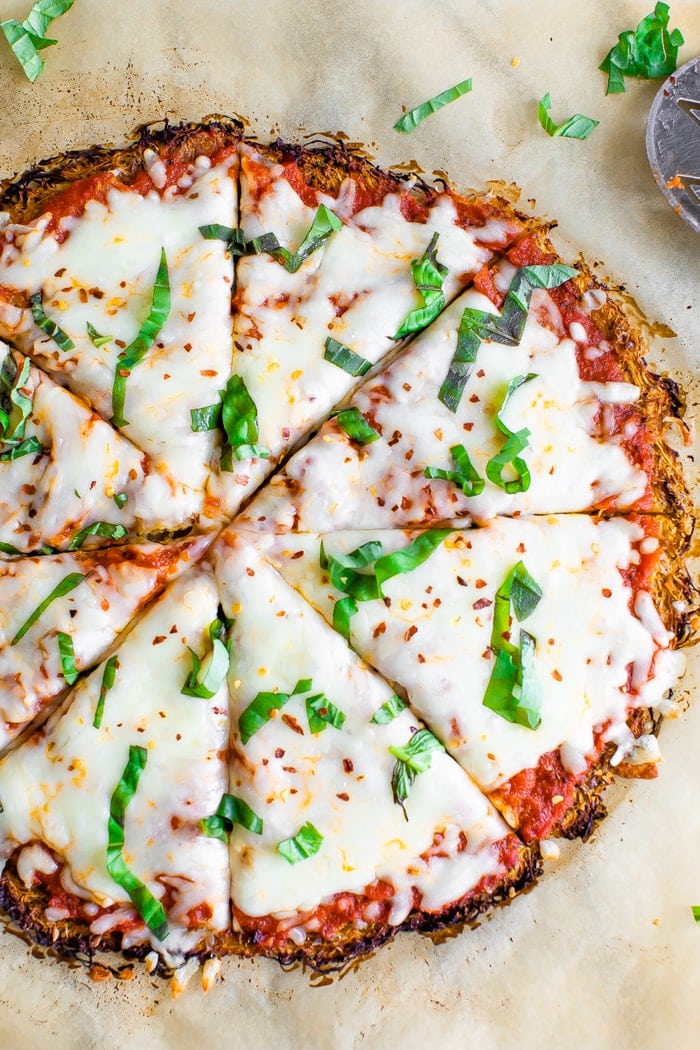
[337,779]
[433,634]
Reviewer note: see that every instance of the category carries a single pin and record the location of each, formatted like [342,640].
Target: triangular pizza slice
[529,395]
[347,819]
[67,477]
[100,830]
[338,263]
[60,613]
[533,649]
[111,287]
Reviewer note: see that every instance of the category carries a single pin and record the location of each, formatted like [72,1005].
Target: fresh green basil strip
[411,759]
[468,343]
[576,127]
[108,678]
[343,612]
[304,844]
[321,713]
[428,276]
[342,570]
[389,710]
[513,691]
[42,15]
[14,422]
[354,424]
[207,675]
[466,477]
[341,355]
[516,442]
[525,593]
[149,908]
[231,810]
[67,584]
[67,656]
[25,448]
[324,224]
[414,117]
[7,548]
[96,339]
[649,51]
[62,341]
[120,498]
[207,418]
[27,39]
[695,910]
[239,418]
[106,529]
[410,557]
[235,241]
[530,693]
[259,710]
[147,334]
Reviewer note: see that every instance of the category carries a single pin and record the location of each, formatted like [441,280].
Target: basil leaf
[428,277]
[389,710]
[14,422]
[207,418]
[343,612]
[513,691]
[354,424]
[62,341]
[208,675]
[7,548]
[696,912]
[120,498]
[239,418]
[576,127]
[259,710]
[530,694]
[321,713]
[412,759]
[305,843]
[516,442]
[414,117]
[96,339]
[67,584]
[105,529]
[108,678]
[525,592]
[25,448]
[231,810]
[27,39]
[67,657]
[466,477]
[649,51]
[149,908]
[468,343]
[324,224]
[147,334]
[410,557]
[345,358]
[42,15]
[548,276]
[235,241]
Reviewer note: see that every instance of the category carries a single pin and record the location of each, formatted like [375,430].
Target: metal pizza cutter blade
[673,141]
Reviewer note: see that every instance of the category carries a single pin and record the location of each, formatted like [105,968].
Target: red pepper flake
[158,639]
[481,603]
[467,426]
[379,629]
[461,582]
[297,554]
[250,572]
[475,399]
[606,592]
[343,796]
[410,633]
[208,372]
[520,548]
[279,753]
[556,676]
[290,720]
[347,765]
[480,583]
[421,658]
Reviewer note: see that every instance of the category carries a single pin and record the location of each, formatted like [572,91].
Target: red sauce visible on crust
[530,794]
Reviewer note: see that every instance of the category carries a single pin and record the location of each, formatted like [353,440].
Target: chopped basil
[106,529]
[259,710]
[13,417]
[428,277]
[147,334]
[149,908]
[29,38]
[207,675]
[468,342]
[414,117]
[96,339]
[389,710]
[648,51]
[62,341]
[239,419]
[354,424]
[411,759]
[516,442]
[120,498]
[67,584]
[321,713]
[207,418]
[305,843]
[7,548]
[67,656]
[694,908]
[323,225]
[108,678]
[235,241]
[30,446]
[465,476]
[341,355]
[230,811]
[576,127]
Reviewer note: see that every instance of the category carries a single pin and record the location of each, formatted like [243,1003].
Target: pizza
[342,553]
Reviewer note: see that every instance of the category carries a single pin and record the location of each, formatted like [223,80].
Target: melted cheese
[434,636]
[339,780]
[103,274]
[93,614]
[334,483]
[56,789]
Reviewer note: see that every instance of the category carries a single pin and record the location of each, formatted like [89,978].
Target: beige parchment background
[604,953]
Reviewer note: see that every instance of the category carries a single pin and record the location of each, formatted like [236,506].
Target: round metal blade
[673,141]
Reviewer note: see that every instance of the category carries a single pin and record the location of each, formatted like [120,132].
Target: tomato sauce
[530,796]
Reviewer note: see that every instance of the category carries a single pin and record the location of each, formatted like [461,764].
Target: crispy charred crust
[23,196]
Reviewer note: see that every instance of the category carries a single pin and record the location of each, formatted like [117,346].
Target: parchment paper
[605,952]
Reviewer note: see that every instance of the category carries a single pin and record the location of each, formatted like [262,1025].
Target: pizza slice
[540,652]
[60,613]
[67,477]
[338,262]
[347,819]
[110,286]
[100,834]
[528,395]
